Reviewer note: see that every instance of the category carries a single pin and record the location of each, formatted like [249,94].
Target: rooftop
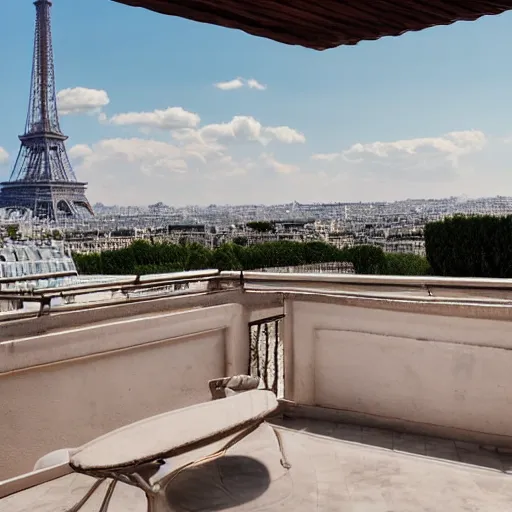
[326,23]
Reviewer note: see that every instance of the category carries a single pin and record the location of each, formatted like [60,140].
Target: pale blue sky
[418,86]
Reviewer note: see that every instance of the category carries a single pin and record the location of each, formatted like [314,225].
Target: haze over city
[163,109]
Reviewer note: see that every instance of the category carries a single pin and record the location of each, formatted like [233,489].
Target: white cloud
[172,118]
[452,145]
[246,129]
[283,134]
[254,84]
[4,156]
[153,156]
[238,83]
[269,161]
[458,162]
[423,159]
[79,151]
[127,171]
[184,126]
[327,157]
[80,100]
[190,170]
[245,161]
[188,167]
[230,85]
[141,171]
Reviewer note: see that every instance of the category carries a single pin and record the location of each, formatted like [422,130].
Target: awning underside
[323,24]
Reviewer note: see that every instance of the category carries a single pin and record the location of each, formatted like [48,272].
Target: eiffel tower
[42,179]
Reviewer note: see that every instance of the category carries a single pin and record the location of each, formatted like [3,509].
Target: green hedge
[145,258]
[470,246]
[407,265]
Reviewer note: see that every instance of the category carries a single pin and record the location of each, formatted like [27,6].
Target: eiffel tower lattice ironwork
[42,179]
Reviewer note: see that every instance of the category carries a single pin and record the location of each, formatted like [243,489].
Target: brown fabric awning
[322,24]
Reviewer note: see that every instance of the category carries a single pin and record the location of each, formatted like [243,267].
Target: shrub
[398,264]
[146,258]
[367,259]
[470,246]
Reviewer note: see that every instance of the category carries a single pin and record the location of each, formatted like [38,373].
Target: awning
[322,24]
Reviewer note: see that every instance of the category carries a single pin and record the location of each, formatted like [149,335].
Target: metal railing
[332,267]
[142,287]
[37,277]
[266,352]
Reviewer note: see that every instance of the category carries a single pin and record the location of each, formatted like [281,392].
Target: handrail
[45,296]
[123,283]
[56,292]
[133,281]
[18,297]
[37,277]
[114,282]
[467,290]
[374,281]
[371,280]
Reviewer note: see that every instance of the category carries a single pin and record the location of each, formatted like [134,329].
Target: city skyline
[237,119]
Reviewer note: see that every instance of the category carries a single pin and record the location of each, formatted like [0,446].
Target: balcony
[394,393]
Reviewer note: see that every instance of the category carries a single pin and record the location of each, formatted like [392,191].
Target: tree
[143,252]
[367,259]
[12,231]
[198,258]
[470,246]
[398,264]
[240,240]
[118,262]
[145,258]
[319,252]
[88,263]
[224,258]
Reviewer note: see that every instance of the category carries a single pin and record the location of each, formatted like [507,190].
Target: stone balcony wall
[438,366]
[438,369]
